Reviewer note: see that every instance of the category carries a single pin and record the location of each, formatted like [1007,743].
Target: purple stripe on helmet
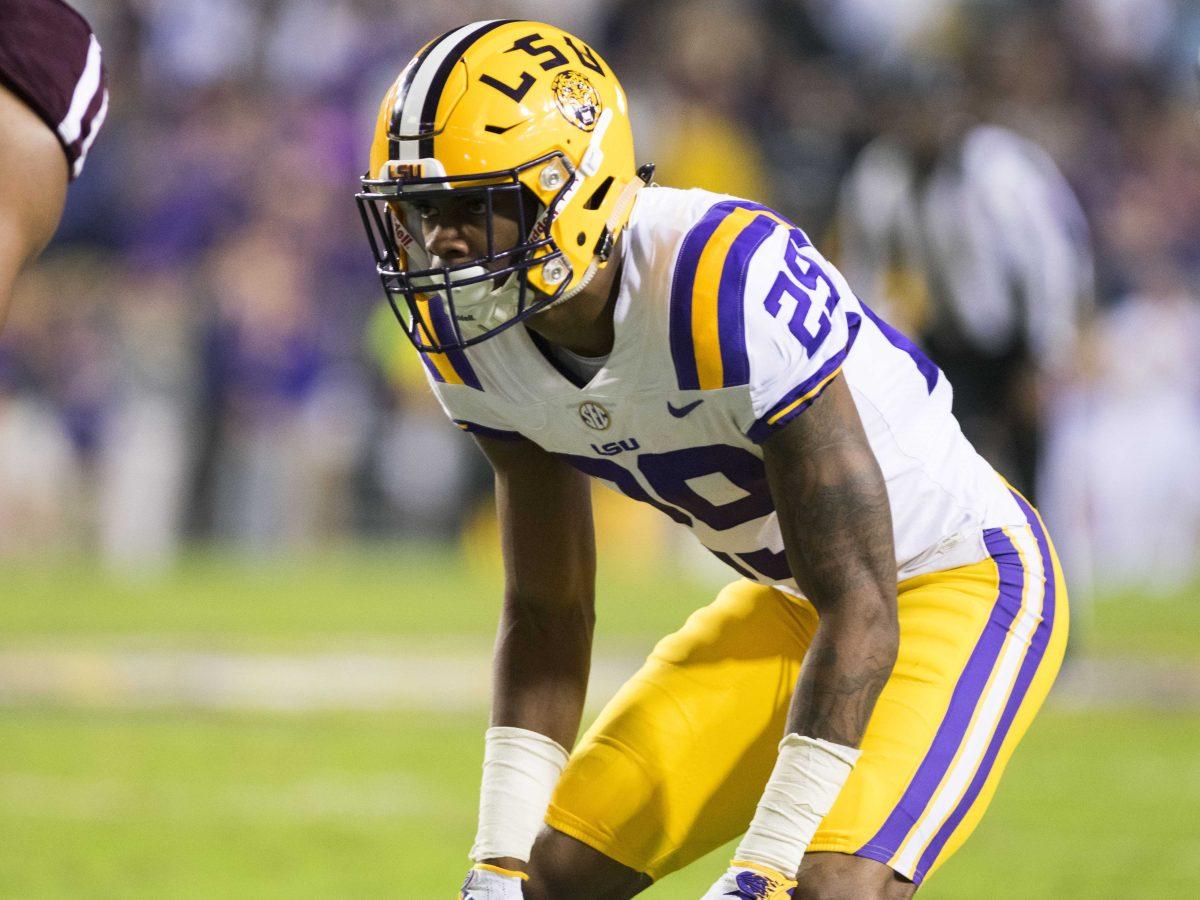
[929,371]
[963,701]
[731,325]
[443,330]
[763,428]
[1029,666]
[683,351]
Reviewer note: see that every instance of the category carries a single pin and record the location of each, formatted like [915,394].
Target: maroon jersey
[51,60]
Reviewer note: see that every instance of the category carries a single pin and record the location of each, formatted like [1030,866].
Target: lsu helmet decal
[577,99]
[513,116]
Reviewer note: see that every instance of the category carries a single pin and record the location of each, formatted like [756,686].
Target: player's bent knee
[561,866]
[840,876]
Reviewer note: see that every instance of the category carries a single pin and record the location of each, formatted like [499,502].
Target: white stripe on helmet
[409,120]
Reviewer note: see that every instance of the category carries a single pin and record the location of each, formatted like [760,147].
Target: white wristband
[520,770]
[807,779]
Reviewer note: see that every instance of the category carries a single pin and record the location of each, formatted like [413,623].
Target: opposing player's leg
[675,764]
[33,189]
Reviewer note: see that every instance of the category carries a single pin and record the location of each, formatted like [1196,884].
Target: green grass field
[213,599]
[178,804]
[183,803]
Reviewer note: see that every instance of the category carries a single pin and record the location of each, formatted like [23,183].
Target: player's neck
[584,324]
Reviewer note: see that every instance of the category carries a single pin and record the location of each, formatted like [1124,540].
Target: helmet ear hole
[598,195]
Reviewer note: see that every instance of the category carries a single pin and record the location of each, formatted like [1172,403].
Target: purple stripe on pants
[1029,667]
[967,692]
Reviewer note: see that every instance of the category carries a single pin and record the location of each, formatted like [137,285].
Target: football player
[53,101]
[848,703]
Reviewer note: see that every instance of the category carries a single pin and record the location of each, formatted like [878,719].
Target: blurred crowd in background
[205,354]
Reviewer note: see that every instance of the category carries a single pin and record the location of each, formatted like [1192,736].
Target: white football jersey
[728,324]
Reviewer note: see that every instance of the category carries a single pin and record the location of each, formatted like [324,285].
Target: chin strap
[608,240]
[619,214]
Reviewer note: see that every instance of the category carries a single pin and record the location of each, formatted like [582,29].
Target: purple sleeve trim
[763,427]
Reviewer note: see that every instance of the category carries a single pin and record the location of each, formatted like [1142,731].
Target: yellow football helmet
[491,108]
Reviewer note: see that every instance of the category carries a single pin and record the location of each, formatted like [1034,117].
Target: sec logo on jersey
[594,416]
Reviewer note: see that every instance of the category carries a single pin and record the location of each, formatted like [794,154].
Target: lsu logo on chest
[597,418]
[614,448]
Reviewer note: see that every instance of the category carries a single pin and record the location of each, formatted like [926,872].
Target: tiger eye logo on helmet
[577,99]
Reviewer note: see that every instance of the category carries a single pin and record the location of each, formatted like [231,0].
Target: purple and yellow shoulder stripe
[707,330]
[451,367]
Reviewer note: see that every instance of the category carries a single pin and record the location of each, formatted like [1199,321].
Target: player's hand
[749,881]
[492,883]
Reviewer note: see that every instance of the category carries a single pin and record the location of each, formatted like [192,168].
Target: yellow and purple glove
[750,881]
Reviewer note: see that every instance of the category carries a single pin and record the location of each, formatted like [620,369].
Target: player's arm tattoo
[837,529]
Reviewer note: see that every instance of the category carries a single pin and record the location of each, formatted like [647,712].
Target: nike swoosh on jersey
[680,412]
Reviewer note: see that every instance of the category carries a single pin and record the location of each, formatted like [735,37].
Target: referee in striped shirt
[970,236]
[52,103]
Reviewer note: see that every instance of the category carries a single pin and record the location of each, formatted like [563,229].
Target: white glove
[750,881]
[492,883]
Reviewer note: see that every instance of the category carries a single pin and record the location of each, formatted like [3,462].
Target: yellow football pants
[676,762]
